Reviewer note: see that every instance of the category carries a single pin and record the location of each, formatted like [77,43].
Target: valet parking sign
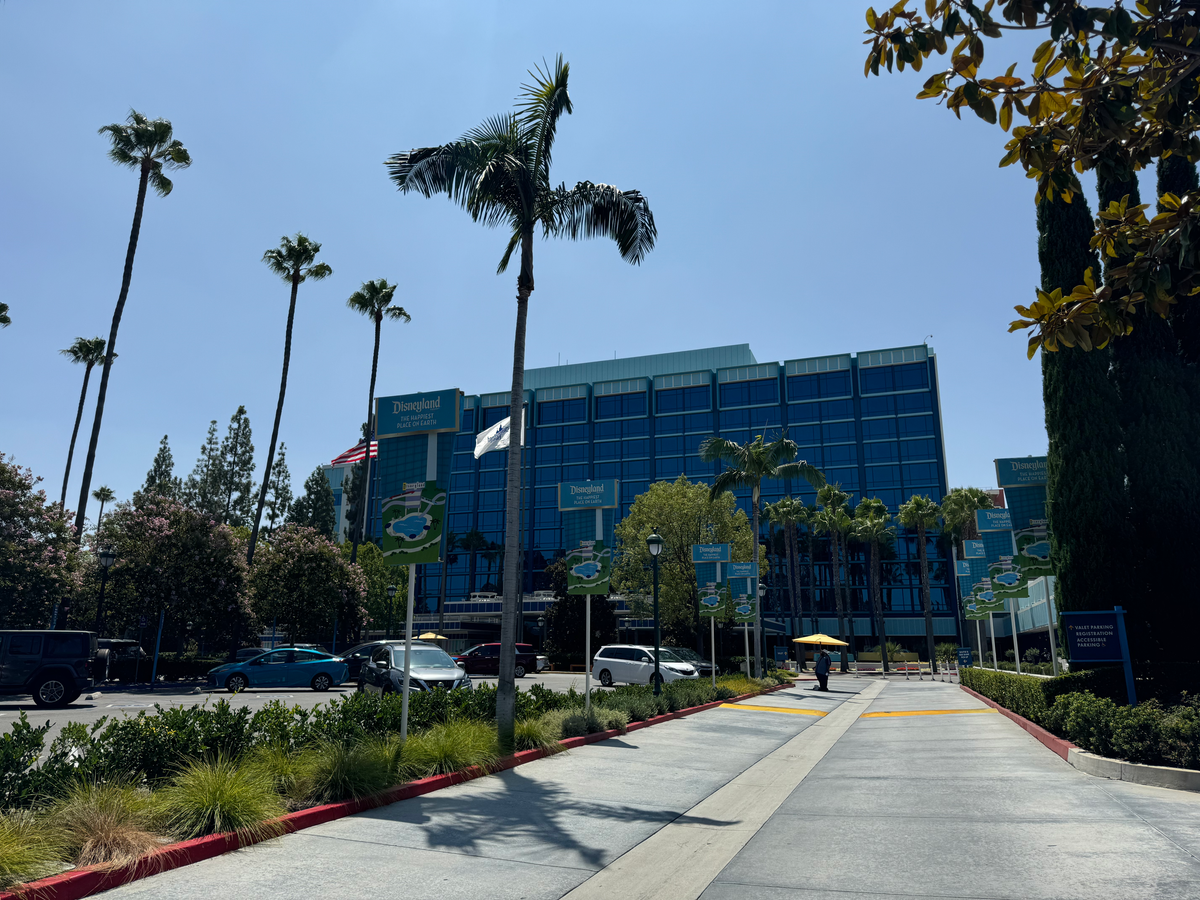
[1100,637]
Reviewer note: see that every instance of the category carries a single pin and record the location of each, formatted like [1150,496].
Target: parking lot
[120,700]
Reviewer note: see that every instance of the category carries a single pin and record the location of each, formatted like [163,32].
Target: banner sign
[714,553]
[993,519]
[412,524]
[600,494]
[712,600]
[1030,470]
[743,570]
[743,609]
[418,413]
[962,568]
[589,568]
[973,550]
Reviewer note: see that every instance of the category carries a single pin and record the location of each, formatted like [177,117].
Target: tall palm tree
[783,514]
[871,527]
[747,466]
[832,519]
[89,352]
[149,146]
[921,514]
[295,261]
[105,495]
[958,511]
[374,300]
[499,172]
[807,517]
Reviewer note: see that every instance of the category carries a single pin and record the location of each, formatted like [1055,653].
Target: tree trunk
[757,601]
[287,356]
[87,373]
[793,578]
[358,531]
[100,518]
[924,557]
[109,353]
[511,607]
[812,578]
[877,597]
[837,595]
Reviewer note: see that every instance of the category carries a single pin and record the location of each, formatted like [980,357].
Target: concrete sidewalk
[769,800]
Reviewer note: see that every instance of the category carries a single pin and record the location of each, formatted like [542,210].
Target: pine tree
[1085,500]
[279,498]
[315,508]
[161,478]
[237,471]
[202,490]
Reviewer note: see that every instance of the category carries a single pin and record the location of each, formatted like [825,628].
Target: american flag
[355,454]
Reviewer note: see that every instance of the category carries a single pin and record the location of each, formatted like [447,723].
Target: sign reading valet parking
[418,413]
[600,494]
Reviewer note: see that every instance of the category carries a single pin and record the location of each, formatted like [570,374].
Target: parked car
[634,664]
[356,657]
[249,653]
[484,659]
[432,667]
[281,668]
[543,663]
[119,659]
[54,667]
[704,668]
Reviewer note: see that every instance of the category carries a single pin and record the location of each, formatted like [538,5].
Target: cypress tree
[161,477]
[237,471]
[1085,500]
[202,490]
[315,507]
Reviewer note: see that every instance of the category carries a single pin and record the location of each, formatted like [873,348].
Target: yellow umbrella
[432,636]
[821,639]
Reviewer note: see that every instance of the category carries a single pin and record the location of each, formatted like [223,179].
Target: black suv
[54,666]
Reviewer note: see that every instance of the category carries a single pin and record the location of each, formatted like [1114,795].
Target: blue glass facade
[870,421]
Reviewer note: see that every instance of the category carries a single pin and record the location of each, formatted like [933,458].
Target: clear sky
[800,207]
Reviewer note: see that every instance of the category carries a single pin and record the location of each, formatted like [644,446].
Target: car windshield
[669,655]
[425,658]
[683,654]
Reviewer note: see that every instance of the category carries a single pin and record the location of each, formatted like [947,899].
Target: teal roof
[640,366]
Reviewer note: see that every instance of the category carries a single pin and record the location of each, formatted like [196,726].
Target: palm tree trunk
[513,600]
[849,608]
[757,601]
[87,373]
[364,494]
[924,558]
[877,597]
[794,584]
[837,596]
[812,578]
[100,518]
[262,493]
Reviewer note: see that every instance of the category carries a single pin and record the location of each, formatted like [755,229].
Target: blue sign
[962,567]
[743,570]
[1100,637]
[993,520]
[1029,470]
[780,654]
[716,553]
[964,657]
[141,621]
[973,550]
[600,494]
[418,413]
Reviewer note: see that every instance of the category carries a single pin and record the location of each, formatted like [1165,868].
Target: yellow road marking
[924,712]
[794,712]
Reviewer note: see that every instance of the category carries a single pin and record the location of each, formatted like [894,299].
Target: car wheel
[606,677]
[321,682]
[52,692]
[519,671]
[236,683]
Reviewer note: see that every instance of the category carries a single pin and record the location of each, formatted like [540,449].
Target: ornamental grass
[208,797]
[450,747]
[336,770]
[29,848]
[106,824]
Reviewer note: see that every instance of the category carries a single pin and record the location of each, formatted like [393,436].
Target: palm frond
[397,312]
[602,210]
[540,105]
[513,243]
[719,449]
[317,272]
[449,169]
[89,351]
[800,470]
[731,480]
[161,183]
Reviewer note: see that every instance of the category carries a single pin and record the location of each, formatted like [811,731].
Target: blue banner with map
[412,524]
[589,568]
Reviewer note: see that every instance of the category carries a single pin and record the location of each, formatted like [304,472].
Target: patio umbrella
[431,636]
[823,640]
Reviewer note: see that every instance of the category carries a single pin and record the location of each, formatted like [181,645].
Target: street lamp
[655,544]
[107,558]
[541,623]
[391,592]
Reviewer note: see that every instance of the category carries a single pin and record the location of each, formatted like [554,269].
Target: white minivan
[634,664]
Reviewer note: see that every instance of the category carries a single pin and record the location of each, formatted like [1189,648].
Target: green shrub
[29,848]
[276,763]
[449,747]
[569,723]
[1023,695]
[333,771]
[1181,737]
[106,824]
[536,734]
[207,797]
[20,748]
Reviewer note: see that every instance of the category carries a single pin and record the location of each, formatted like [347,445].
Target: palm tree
[958,511]
[294,260]
[373,299]
[89,352]
[920,514]
[783,513]
[747,466]
[149,146]
[500,173]
[833,520]
[871,527]
[105,495]
[807,516]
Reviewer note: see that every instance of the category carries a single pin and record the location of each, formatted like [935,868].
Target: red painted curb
[80,883]
[1055,743]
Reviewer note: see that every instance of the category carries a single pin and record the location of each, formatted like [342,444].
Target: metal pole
[657,632]
[274,627]
[1016,626]
[979,641]
[412,582]
[587,654]
[1051,615]
[162,614]
[712,632]
[746,642]
[100,603]
[992,632]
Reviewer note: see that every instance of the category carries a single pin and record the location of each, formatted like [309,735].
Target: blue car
[288,667]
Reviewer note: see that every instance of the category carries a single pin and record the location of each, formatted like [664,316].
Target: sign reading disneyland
[600,494]
[418,413]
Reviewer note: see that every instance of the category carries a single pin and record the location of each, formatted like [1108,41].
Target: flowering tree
[39,560]
[302,580]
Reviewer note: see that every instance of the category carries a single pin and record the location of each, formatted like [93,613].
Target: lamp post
[542,630]
[107,558]
[391,592]
[655,543]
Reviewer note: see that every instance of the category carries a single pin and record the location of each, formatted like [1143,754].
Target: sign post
[712,601]
[1100,637]
[745,606]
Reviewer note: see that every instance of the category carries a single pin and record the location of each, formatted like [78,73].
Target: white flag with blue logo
[496,437]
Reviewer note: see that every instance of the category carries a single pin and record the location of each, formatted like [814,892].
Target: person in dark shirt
[822,669]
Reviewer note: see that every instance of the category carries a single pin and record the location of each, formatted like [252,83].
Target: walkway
[770,800]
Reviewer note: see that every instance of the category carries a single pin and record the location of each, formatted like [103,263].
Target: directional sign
[993,519]
[714,553]
[743,570]
[962,567]
[964,657]
[973,550]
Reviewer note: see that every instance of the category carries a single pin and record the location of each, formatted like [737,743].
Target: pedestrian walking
[822,669]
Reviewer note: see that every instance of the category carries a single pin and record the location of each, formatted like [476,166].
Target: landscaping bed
[110,798]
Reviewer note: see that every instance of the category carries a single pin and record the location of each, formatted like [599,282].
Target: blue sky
[801,208]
